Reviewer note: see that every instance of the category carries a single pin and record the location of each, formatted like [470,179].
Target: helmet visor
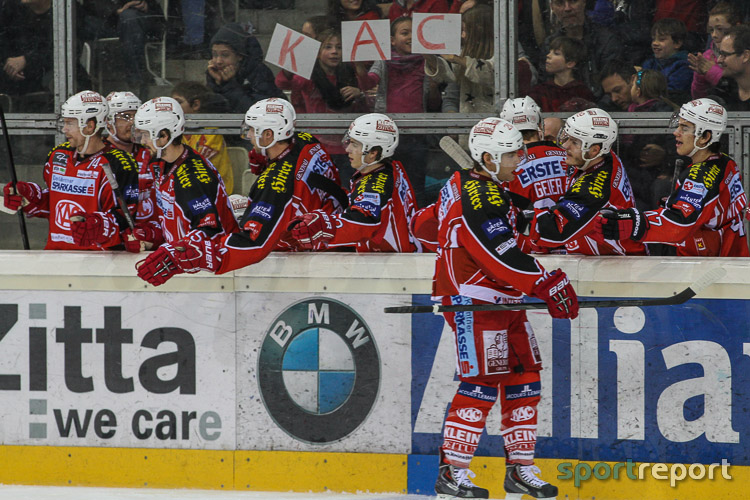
[245,131]
[140,136]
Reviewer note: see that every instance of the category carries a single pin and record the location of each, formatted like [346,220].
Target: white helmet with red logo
[85,106]
[274,114]
[591,126]
[160,113]
[121,101]
[523,113]
[705,114]
[374,129]
[496,137]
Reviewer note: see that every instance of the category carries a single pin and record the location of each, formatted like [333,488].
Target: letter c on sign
[423,40]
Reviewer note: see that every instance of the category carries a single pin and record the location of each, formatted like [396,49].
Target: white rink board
[387,427]
[126,388]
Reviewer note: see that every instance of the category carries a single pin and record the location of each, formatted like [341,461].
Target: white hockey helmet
[84,106]
[121,101]
[496,137]
[160,113]
[371,130]
[706,115]
[591,126]
[274,114]
[523,113]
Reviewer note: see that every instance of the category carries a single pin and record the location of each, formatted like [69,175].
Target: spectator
[648,92]
[565,57]
[352,10]
[602,43]
[692,13]
[616,79]
[401,8]
[236,70]
[194,97]
[667,38]
[138,21]
[312,28]
[461,6]
[552,126]
[706,70]
[734,58]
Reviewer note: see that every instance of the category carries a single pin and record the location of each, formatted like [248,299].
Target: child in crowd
[706,70]
[194,97]
[667,37]
[353,10]
[648,92]
[312,28]
[566,56]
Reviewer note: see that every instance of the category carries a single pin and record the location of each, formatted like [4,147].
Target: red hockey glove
[158,267]
[13,199]
[195,253]
[258,162]
[621,224]
[92,229]
[557,292]
[313,229]
[143,237]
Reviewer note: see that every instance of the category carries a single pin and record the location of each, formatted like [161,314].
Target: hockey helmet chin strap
[264,148]
[589,160]
[697,148]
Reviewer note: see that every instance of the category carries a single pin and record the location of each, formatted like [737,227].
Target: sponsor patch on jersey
[495,227]
[63,210]
[539,171]
[481,392]
[209,220]
[56,169]
[735,187]
[199,205]
[469,414]
[573,209]
[131,194]
[72,185]
[684,207]
[86,174]
[60,159]
[368,204]
[262,210]
[523,390]
[690,196]
[253,228]
[496,351]
[523,414]
[505,246]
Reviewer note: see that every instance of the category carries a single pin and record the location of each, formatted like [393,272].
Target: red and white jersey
[477,254]
[381,205]
[190,195]
[569,221]
[79,184]
[703,215]
[146,194]
[301,179]
[541,179]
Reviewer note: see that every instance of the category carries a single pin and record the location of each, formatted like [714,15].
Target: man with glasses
[733,91]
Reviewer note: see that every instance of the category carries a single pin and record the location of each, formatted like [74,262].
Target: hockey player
[540,180]
[79,201]
[299,177]
[704,214]
[596,180]
[498,358]
[381,198]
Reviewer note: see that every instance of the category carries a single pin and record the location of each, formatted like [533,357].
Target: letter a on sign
[436,33]
[292,51]
[366,40]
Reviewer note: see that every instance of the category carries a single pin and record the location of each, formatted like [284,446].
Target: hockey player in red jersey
[596,180]
[381,198]
[703,215]
[540,180]
[479,262]
[298,177]
[77,186]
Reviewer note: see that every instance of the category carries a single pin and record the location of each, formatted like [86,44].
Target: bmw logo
[319,370]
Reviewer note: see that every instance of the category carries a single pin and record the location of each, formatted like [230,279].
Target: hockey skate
[453,482]
[522,480]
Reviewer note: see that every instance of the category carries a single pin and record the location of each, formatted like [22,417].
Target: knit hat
[235,35]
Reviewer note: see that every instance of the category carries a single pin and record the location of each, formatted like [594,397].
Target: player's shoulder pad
[304,138]
[710,172]
[482,195]
[278,176]
[63,146]
[594,183]
[194,172]
[121,160]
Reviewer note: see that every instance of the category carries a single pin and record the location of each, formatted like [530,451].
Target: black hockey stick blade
[696,287]
[14,179]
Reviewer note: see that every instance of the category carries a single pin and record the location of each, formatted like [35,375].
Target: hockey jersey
[569,221]
[381,205]
[79,184]
[703,215]
[301,179]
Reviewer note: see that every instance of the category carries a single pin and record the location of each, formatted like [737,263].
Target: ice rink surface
[8,492]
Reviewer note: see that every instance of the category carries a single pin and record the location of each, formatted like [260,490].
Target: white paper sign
[292,51]
[366,40]
[436,33]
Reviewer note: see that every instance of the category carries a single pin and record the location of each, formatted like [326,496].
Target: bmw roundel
[319,370]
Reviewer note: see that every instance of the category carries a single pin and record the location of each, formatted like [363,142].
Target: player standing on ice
[296,177]
[540,180]
[79,201]
[596,180]
[703,215]
[479,262]
[381,198]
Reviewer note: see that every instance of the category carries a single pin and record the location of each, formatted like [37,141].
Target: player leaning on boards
[540,180]
[479,262]
[298,177]
[596,180]
[381,198]
[77,185]
[703,215]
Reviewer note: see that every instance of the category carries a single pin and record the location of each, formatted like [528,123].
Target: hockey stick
[118,194]
[696,287]
[14,179]
[456,152]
